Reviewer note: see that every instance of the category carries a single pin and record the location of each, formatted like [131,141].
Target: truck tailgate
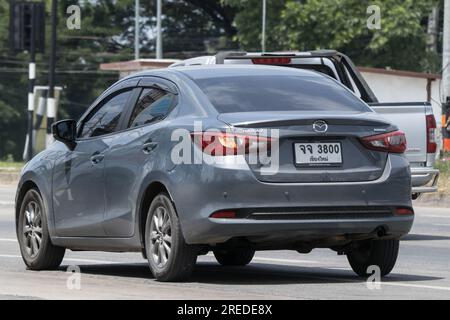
[410,118]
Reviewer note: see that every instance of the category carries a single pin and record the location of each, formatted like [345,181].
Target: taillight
[404,211]
[431,134]
[224,215]
[394,142]
[276,61]
[225,144]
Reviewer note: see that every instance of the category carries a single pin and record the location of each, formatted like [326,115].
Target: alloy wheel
[32,228]
[161,237]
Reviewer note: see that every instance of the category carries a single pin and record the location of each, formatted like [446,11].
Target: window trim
[100,104]
[147,82]
[171,108]
[121,85]
[159,83]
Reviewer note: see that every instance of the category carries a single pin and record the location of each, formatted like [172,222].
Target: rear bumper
[208,189]
[424,179]
[269,232]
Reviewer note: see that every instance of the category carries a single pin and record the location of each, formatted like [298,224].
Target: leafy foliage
[341,25]
[190,27]
[196,27]
[248,21]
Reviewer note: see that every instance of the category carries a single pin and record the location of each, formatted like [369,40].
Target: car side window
[105,119]
[153,105]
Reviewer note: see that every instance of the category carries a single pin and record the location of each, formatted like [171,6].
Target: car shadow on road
[253,274]
[260,273]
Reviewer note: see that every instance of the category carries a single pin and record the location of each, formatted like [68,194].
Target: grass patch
[11,165]
[444,179]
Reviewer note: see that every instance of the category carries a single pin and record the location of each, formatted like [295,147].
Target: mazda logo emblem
[320,126]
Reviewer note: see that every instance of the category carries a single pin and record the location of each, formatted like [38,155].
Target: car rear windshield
[279,93]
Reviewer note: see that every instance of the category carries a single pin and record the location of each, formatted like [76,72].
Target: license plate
[320,153]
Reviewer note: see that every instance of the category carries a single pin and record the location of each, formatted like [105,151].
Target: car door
[78,178]
[136,154]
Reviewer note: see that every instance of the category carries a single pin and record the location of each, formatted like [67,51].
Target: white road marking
[436,216]
[6,203]
[9,256]
[419,286]
[441,224]
[8,240]
[393,284]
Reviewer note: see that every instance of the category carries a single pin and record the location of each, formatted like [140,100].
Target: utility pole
[159,51]
[136,30]
[31,82]
[51,107]
[263,35]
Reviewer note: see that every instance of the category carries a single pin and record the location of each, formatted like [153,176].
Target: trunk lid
[355,163]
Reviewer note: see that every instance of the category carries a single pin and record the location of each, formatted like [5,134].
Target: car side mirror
[65,131]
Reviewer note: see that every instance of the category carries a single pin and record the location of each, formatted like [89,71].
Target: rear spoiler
[340,61]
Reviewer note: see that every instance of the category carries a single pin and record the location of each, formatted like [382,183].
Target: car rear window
[279,93]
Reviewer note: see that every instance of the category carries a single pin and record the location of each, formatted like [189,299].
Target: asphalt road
[422,271]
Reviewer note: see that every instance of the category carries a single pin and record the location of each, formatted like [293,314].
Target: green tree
[248,21]
[194,27]
[190,27]
[341,25]
[13,89]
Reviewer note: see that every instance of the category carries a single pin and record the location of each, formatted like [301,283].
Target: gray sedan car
[179,162]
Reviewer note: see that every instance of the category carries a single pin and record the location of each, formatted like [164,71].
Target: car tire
[381,253]
[35,244]
[234,257]
[170,258]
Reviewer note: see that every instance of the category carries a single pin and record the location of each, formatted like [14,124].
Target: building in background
[405,86]
[126,68]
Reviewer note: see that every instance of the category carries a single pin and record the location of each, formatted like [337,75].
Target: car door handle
[149,147]
[97,158]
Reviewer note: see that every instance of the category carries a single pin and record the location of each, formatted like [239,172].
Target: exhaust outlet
[380,232]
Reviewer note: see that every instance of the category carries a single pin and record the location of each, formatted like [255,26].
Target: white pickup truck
[415,119]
